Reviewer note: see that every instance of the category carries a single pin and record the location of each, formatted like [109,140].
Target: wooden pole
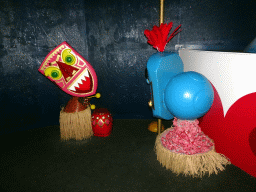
[159,123]
[161,11]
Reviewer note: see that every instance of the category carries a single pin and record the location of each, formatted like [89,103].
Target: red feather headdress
[158,36]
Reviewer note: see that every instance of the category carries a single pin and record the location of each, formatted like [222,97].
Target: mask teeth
[86,73]
[79,81]
[72,88]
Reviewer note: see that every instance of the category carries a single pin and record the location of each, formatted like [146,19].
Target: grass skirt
[196,165]
[76,125]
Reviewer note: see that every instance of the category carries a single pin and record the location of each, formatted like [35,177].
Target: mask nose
[67,71]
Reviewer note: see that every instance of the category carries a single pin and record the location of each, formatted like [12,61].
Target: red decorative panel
[235,134]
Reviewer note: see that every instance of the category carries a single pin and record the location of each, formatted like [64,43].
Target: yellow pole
[161,11]
[159,123]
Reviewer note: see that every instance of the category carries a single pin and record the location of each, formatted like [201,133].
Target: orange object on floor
[153,127]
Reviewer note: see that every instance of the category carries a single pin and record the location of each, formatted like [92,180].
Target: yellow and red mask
[70,71]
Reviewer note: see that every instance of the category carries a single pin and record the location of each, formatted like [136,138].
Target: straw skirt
[196,165]
[76,125]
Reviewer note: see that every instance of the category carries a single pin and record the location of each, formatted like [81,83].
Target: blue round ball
[188,95]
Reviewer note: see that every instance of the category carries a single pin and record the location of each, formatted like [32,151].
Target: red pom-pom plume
[158,36]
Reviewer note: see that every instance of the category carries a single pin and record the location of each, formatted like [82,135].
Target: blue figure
[174,93]
[161,67]
[188,95]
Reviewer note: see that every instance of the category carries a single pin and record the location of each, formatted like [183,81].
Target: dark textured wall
[29,30]
[109,34]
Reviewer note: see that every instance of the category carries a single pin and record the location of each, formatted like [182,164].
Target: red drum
[102,122]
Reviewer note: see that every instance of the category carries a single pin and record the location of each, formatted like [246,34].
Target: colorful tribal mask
[70,71]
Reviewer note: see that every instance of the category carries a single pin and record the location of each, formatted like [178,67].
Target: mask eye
[68,57]
[53,72]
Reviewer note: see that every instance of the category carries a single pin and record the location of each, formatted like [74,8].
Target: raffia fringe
[194,165]
[75,125]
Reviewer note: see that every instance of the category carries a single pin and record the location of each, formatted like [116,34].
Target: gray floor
[36,160]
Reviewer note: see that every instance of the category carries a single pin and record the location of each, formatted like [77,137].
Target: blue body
[162,67]
[188,95]
[175,93]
